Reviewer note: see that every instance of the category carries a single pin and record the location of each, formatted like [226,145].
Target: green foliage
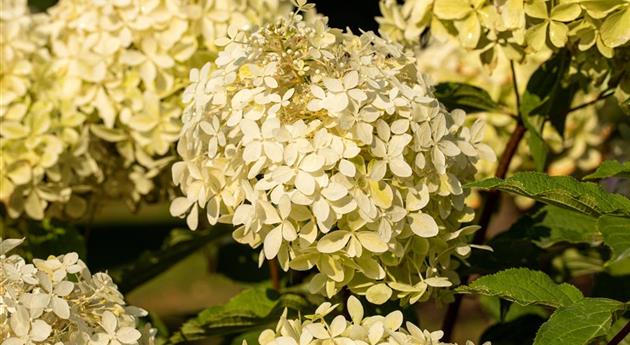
[464,96]
[560,191]
[44,238]
[616,232]
[180,245]
[579,323]
[512,248]
[552,224]
[524,287]
[545,99]
[517,332]
[252,309]
[610,168]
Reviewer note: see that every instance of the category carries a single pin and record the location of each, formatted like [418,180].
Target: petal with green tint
[558,34]
[537,35]
[537,9]
[598,9]
[469,30]
[566,12]
[451,9]
[615,31]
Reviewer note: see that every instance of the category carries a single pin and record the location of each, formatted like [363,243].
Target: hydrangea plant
[330,153]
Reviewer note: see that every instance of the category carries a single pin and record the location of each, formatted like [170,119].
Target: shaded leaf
[616,232]
[561,191]
[520,331]
[50,238]
[524,287]
[512,248]
[464,96]
[545,99]
[615,328]
[579,323]
[610,168]
[254,308]
[152,263]
[535,141]
[553,224]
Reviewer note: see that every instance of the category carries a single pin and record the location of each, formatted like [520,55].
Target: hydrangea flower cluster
[97,114]
[585,130]
[597,35]
[514,26]
[329,150]
[31,143]
[58,301]
[359,330]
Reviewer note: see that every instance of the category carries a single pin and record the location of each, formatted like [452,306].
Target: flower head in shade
[326,149]
[58,300]
[359,329]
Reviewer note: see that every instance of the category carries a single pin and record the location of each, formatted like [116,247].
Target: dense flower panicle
[329,150]
[597,35]
[516,26]
[98,111]
[32,138]
[359,330]
[58,301]
[585,130]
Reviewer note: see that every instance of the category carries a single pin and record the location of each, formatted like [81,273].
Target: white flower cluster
[359,330]
[579,150]
[58,301]
[30,141]
[329,150]
[105,91]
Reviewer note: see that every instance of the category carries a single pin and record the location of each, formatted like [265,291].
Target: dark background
[355,14]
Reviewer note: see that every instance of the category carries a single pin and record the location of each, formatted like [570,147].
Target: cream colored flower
[360,329]
[59,301]
[336,157]
[91,101]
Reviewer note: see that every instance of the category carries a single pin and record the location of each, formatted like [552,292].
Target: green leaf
[517,332]
[492,307]
[579,323]
[51,238]
[561,191]
[524,287]
[43,238]
[546,99]
[464,96]
[615,328]
[535,141]
[616,232]
[151,263]
[610,168]
[553,224]
[512,248]
[255,308]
